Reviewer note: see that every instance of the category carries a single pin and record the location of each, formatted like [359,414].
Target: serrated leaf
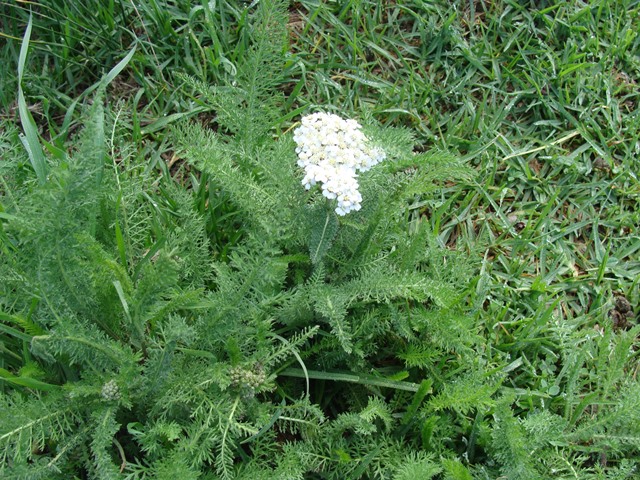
[324,227]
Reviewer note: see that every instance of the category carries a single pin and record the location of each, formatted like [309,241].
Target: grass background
[541,97]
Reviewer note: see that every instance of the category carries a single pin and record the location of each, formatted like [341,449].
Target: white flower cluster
[331,151]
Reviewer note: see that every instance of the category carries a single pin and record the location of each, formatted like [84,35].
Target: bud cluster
[110,391]
[332,151]
[247,381]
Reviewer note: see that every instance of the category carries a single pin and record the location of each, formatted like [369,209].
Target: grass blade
[30,138]
[28,382]
[115,71]
[351,378]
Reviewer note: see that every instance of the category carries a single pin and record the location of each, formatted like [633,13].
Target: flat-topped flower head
[332,150]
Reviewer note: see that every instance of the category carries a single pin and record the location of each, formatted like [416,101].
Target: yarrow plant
[231,327]
[332,151]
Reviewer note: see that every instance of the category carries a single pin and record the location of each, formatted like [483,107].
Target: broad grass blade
[30,138]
